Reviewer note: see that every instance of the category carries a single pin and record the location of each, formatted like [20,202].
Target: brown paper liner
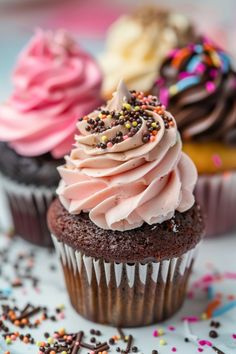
[121,294]
[216,195]
[28,207]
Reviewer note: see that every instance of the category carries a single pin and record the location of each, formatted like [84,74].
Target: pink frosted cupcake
[126,225]
[55,83]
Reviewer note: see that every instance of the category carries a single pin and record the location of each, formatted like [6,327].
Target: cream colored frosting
[137,44]
[130,182]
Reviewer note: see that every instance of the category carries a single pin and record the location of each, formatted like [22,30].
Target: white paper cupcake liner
[154,290]
[28,207]
[216,195]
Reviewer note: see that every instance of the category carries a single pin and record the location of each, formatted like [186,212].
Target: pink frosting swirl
[55,83]
[130,180]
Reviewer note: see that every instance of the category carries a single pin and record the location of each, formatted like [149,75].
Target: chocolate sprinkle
[29,314]
[121,333]
[129,344]
[77,342]
[217,350]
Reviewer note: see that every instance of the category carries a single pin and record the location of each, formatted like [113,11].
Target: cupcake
[55,83]
[125,225]
[136,45]
[197,83]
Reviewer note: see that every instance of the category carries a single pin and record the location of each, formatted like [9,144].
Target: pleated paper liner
[28,206]
[122,294]
[216,195]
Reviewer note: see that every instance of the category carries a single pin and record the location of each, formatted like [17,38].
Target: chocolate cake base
[155,242]
[36,170]
[131,278]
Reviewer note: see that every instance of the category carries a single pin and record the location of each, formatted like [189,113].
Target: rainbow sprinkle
[192,65]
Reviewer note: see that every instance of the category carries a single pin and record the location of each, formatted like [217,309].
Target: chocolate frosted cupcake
[55,82]
[137,43]
[198,83]
[126,225]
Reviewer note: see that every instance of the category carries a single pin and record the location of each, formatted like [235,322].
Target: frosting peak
[127,166]
[55,83]
[198,83]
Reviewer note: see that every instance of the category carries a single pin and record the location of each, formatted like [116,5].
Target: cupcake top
[55,82]
[127,167]
[198,83]
[136,45]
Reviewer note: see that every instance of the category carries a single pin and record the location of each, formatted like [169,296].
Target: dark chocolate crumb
[213,334]
[215,324]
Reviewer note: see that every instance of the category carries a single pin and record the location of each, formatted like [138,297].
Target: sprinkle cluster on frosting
[125,177]
[130,117]
[197,83]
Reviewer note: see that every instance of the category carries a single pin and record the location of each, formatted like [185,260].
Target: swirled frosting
[198,84]
[127,166]
[137,44]
[55,83]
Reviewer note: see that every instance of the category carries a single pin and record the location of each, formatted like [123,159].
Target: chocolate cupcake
[197,83]
[126,226]
[137,43]
[55,82]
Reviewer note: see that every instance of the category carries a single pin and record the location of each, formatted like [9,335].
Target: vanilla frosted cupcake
[126,225]
[55,83]
[136,45]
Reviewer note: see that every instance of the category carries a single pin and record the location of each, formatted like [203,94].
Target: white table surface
[218,253]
